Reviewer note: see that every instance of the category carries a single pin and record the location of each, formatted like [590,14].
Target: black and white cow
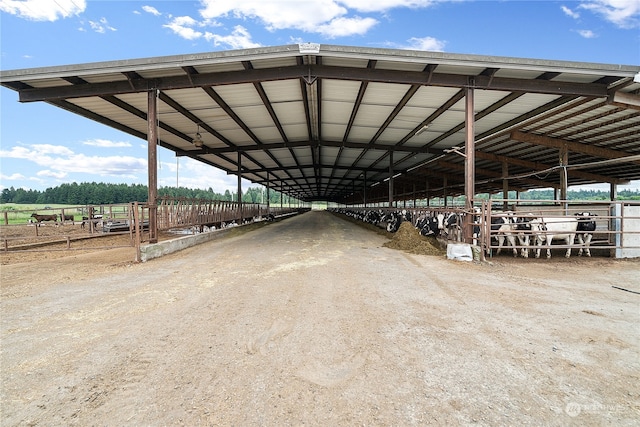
[585,228]
[450,224]
[503,229]
[428,226]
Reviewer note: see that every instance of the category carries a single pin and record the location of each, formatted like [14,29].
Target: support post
[564,161]
[469,161]
[505,185]
[364,189]
[268,194]
[390,179]
[240,187]
[613,192]
[152,144]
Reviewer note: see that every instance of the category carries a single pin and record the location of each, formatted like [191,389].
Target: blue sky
[43,146]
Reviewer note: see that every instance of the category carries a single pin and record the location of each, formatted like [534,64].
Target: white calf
[549,229]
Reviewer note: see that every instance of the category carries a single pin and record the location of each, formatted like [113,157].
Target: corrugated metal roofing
[323,122]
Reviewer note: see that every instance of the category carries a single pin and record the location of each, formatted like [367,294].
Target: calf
[554,228]
[586,227]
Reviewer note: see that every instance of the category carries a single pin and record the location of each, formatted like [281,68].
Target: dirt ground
[313,321]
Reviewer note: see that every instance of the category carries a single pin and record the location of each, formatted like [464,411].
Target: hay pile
[408,239]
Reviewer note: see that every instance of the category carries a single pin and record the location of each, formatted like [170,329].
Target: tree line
[92,193]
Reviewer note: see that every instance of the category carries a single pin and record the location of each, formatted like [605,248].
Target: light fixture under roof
[197,141]
[422,129]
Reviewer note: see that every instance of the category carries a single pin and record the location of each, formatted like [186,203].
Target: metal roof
[321,122]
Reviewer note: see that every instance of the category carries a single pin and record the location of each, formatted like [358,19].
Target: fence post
[137,226]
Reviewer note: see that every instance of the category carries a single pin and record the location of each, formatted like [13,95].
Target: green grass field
[16,213]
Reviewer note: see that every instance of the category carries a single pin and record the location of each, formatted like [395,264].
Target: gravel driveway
[311,321]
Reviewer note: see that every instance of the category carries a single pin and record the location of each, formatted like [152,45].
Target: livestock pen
[130,221]
[616,234]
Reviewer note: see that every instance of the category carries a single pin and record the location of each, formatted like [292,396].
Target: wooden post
[136,221]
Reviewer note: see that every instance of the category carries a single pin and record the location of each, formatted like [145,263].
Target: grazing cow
[450,225]
[428,226]
[394,219]
[554,228]
[40,218]
[586,227]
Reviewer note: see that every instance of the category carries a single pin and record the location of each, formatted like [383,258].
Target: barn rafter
[318,121]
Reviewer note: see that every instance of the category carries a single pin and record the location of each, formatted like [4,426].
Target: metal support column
[469,161]
[390,179]
[268,195]
[240,187]
[564,161]
[152,157]
[505,185]
[364,188]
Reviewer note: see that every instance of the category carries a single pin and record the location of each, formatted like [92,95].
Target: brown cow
[40,218]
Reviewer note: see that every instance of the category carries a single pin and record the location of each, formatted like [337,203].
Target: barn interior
[355,125]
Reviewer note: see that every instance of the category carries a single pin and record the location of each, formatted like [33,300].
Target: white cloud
[12,177]
[51,174]
[101,26]
[104,143]
[384,5]
[587,34]
[341,27]
[327,17]
[194,174]
[570,13]
[152,10]
[622,13]
[60,159]
[238,39]
[426,43]
[43,10]
[182,26]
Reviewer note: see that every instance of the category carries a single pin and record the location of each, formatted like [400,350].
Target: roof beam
[536,166]
[576,147]
[624,100]
[312,144]
[320,71]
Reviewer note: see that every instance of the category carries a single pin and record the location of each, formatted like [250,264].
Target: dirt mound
[408,239]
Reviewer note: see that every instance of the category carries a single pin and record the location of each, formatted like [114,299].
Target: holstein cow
[428,226]
[585,229]
[40,218]
[450,225]
[554,228]
[503,228]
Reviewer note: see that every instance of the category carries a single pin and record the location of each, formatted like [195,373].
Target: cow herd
[520,232]
[38,219]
